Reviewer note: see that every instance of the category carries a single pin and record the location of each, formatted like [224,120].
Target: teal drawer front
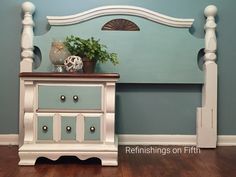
[92,128]
[68,128]
[45,128]
[70,97]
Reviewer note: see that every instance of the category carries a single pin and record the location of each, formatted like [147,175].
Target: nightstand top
[69,75]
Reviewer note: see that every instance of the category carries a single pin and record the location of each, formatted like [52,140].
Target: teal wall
[141,108]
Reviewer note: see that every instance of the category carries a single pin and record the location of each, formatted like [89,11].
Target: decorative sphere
[210,10]
[28,7]
[73,63]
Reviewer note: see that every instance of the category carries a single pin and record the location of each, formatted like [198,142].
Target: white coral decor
[73,63]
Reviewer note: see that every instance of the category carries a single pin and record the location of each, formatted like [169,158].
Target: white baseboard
[138,139]
[9,139]
[130,139]
[135,139]
[226,140]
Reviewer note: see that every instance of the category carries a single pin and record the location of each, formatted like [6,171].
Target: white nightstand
[64,114]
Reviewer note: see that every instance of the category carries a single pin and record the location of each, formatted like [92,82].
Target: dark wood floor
[220,162]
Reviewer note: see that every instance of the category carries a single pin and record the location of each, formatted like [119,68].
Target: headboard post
[207,115]
[27,55]
[27,38]
[210,37]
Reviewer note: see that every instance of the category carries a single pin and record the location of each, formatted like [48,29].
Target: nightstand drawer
[68,128]
[92,128]
[45,128]
[82,97]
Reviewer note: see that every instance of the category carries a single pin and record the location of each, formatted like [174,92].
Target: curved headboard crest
[120,10]
[163,41]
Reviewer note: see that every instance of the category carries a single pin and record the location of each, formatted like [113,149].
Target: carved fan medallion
[120,25]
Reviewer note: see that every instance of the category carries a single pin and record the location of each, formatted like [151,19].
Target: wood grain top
[69,75]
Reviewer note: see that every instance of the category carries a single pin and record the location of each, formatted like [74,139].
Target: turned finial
[210,10]
[210,36]
[27,36]
[28,7]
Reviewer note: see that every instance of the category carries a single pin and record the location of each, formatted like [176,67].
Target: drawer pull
[75,98]
[92,129]
[63,98]
[45,128]
[68,129]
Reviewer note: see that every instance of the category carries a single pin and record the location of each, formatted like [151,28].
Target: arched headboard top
[120,10]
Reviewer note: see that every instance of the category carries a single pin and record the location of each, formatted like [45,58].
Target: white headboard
[206,115]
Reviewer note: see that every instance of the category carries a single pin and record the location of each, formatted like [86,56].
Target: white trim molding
[9,139]
[138,139]
[226,140]
[120,10]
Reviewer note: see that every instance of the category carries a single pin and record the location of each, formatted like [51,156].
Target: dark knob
[75,98]
[63,98]
[92,129]
[68,128]
[45,128]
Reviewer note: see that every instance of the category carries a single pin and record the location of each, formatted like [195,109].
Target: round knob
[92,129]
[45,128]
[75,98]
[68,128]
[28,7]
[210,10]
[63,98]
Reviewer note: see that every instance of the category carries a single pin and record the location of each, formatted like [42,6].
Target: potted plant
[90,50]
